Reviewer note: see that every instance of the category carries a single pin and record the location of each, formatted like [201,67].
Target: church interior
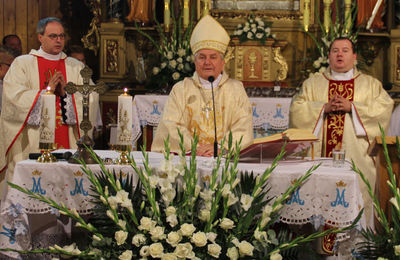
[140,49]
[116,39]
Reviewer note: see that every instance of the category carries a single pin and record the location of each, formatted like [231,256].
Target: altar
[270,115]
[330,196]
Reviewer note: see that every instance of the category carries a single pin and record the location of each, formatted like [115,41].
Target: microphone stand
[211,80]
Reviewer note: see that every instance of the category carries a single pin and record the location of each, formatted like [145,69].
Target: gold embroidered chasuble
[372,106]
[335,121]
[189,107]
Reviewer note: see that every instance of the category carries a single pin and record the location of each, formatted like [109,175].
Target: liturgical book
[269,147]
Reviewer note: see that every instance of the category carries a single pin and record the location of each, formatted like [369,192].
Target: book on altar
[266,148]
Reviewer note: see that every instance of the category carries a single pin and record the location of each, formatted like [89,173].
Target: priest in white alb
[27,78]
[190,107]
[344,107]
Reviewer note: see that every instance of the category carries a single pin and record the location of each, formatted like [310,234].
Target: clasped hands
[338,103]
[57,84]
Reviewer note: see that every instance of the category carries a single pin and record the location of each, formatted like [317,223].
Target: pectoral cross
[207,109]
[85,89]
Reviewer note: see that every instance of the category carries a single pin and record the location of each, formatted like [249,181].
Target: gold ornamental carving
[254,62]
[112,55]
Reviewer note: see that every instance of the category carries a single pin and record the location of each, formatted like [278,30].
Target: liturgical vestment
[371,106]
[21,95]
[189,107]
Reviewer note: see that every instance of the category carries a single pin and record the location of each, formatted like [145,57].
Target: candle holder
[124,154]
[46,156]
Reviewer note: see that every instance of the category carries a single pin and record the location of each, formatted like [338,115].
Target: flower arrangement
[175,60]
[384,243]
[176,213]
[337,29]
[254,29]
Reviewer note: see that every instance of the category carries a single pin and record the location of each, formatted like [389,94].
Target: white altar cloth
[330,195]
[269,114]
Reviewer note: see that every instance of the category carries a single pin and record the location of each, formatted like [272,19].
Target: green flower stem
[301,239]
[62,208]
[381,214]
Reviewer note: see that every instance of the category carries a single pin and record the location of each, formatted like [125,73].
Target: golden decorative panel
[253,62]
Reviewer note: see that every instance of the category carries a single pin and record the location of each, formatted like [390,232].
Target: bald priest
[190,108]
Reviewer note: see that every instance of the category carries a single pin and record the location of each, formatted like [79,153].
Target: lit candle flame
[125,90]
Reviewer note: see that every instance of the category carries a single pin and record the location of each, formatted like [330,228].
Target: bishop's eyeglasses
[54,36]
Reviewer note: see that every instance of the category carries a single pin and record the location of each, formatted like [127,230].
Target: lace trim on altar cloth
[34,117]
[69,107]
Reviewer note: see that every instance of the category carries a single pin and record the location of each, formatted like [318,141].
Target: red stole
[46,69]
[335,121]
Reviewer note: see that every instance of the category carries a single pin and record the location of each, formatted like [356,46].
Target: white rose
[204,215]
[235,241]
[246,201]
[254,30]
[144,251]
[214,250]
[146,224]
[127,255]
[169,256]
[180,67]
[122,223]
[246,29]
[187,229]
[183,250]
[120,237]
[179,60]
[163,65]
[176,75]
[157,233]
[226,224]
[397,250]
[249,35]
[156,250]
[199,239]
[172,220]
[232,253]
[268,30]
[156,70]
[276,256]
[138,240]
[239,32]
[245,248]
[170,55]
[174,238]
[211,236]
[259,35]
[172,63]
[181,52]
[170,211]
[261,23]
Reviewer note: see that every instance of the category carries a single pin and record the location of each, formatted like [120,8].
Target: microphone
[59,156]
[211,80]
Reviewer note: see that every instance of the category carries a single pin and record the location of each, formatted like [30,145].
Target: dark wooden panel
[21,24]
[9,17]
[33,18]
[2,18]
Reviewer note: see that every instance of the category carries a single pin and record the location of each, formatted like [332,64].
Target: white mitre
[209,34]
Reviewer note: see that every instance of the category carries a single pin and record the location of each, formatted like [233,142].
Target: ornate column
[112,56]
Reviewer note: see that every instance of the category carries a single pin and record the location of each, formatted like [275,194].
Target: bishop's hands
[57,84]
[337,103]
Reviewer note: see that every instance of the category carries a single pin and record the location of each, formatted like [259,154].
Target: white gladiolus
[232,199]
[170,211]
[393,200]
[138,240]
[245,201]
[276,256]
[211,236]
[126,255]
[172,220]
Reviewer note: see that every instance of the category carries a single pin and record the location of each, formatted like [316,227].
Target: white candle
[166,15]
[372,18]
[185,13]
[124,127]
[306,14]
[48,118]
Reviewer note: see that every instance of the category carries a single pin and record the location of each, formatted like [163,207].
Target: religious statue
[140,11]
[364,13]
